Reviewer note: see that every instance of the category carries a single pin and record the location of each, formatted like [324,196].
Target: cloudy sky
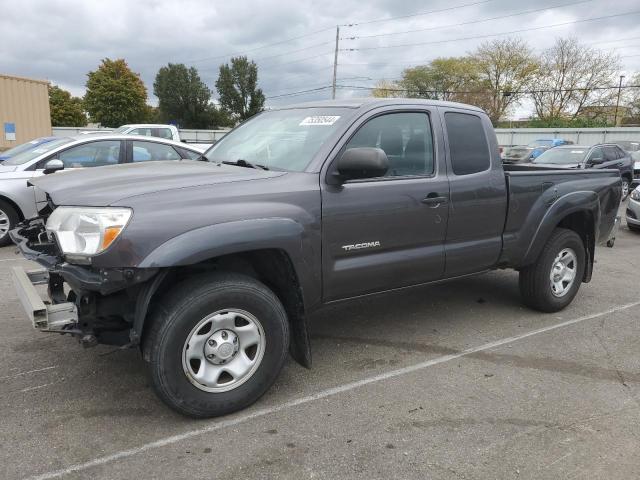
[292,41]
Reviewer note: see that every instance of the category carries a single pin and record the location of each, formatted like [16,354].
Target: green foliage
[66,111]
[152,115]
[237,88]
[506,69]
[185,99]
[115,95]
[441,79]
[578,122]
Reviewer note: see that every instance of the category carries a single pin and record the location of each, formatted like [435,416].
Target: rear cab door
[387,232]
[478,192]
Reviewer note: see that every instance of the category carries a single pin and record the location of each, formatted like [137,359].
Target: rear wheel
[551,283]
[216,344]
[8,220]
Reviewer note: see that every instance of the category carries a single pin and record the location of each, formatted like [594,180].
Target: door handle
[434,200]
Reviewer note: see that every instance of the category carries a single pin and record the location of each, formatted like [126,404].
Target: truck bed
[533,193]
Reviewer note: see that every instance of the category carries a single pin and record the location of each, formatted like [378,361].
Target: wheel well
[583,224]
[14,205]
[274,268]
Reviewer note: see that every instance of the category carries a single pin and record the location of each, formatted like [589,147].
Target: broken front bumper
[43,316]
[100,305]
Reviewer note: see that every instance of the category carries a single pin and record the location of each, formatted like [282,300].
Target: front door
[388,232]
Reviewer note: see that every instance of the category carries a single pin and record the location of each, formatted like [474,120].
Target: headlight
[86,230]
[636,194]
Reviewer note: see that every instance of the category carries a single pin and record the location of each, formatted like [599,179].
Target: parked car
[525,153]
[633,210]
[213,267]
[169,132]
[597,156]
[18,200]
[633,149]
[32,145]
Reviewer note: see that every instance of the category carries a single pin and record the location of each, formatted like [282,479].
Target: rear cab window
[468,146]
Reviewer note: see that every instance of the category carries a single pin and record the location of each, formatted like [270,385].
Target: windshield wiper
[243,163]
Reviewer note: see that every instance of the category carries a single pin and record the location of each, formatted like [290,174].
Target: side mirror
[362,162]
[595,161]
[53,165]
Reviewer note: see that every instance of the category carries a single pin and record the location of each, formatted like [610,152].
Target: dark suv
[604,155]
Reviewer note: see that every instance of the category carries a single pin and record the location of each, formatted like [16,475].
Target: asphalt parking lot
[445,382]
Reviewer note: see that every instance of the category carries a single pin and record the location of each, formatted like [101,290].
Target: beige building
[24,110]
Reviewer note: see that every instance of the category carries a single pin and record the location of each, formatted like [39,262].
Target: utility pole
[615,117]
[335,64]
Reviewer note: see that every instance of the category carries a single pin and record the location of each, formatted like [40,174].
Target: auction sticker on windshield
[320,120]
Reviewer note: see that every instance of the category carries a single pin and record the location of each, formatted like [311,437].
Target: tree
[506,68]
[237,88]
[66,111]
[450,79]
[115,95]
[631,100]
[184,98]
[387,89]
[573,77]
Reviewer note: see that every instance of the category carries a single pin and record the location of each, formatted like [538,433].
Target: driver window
[596,155]
[94,154]
[405,138]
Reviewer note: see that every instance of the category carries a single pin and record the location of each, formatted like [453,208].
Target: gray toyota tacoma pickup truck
[212,267]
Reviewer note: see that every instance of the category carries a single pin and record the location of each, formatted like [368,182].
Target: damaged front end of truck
[95,305]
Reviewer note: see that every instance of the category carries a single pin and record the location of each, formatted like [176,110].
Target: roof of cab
[376,102]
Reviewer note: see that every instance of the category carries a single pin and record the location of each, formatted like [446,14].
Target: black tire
[175,317]
[535,283]
[13,217]
[633,228]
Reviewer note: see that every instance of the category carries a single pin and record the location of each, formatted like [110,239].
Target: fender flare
[581,201]
[220,239]
[237,237]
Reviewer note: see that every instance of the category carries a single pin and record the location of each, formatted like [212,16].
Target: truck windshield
[280,139]
[562,156]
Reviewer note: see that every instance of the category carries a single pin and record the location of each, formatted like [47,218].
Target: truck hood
[100,186]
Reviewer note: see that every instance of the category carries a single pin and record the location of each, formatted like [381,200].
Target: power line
[292,51]
[525,92]
[260,47]
[291,39]
[287,88]
[367,22]
[438,27]
[613,41]
[492,34]
[266,67]
[300,92]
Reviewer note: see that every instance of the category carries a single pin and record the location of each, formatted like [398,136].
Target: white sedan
[19,200]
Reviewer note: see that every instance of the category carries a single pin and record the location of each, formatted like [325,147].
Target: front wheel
[551,283]
[8,220]
[216,344]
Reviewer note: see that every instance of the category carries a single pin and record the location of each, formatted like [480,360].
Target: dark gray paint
[185,212]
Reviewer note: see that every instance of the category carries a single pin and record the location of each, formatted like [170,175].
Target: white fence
[579,136]
[190,135]
[506,136]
